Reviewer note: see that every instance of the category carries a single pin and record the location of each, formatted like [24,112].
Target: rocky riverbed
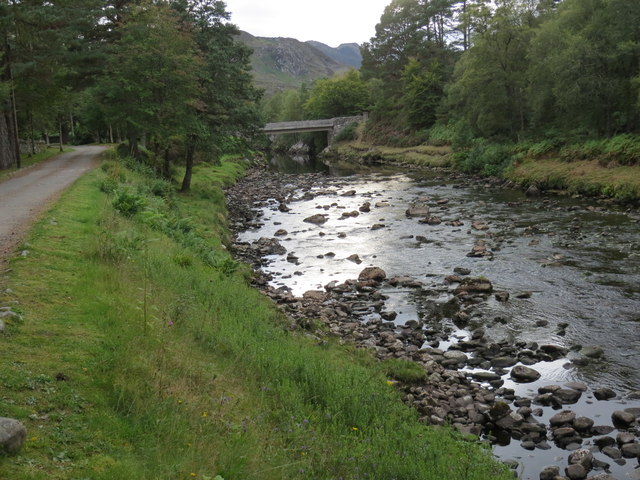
[498,365]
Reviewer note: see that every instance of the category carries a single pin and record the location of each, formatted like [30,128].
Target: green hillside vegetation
[142,353]
[283,63]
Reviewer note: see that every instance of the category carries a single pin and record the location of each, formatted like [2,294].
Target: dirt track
[26,195]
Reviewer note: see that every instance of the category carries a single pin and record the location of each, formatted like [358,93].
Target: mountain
[347,53]
[282,63]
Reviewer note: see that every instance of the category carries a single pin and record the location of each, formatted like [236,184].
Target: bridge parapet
[332,126]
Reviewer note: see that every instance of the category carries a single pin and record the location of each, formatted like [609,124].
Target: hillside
[347,53]
[281,63]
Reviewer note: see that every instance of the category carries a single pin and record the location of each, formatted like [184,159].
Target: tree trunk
[166,167]
[134,150]
[60,135]
[186,181]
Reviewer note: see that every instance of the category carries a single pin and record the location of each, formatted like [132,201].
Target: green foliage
[348,133]
[485,158]
[128,203]
[338,97]
[441,135]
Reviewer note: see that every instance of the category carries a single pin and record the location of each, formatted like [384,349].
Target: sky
[332,22]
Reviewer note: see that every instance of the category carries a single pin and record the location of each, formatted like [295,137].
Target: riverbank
[436,270]
[519,165]
[138,350]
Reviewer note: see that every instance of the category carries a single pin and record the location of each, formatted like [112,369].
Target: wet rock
[575,472]
[366,207]
[12,435]
[604,442]
[283,208]
[281,233]
[315,295]
[602,429]
[604,394]
[403,281]
[502,296]
[462,271]
[522,374]
[473,286]
[349,193]
[456,356]
[583,424]
[318,219]
[624,437]
[533,191]
[582,457]
[377,226]
[268,246]
[480,249]
[372,273]
[524,295]
[568,396]
[602,476]
[579,386]
[592,351]
[479,226]
[622,419]
[350,214]
[354,258]
[510,422]
[630,450]
[554,351]
[612,452]
[550,473]
[563,418]
[503,362]
[417,210]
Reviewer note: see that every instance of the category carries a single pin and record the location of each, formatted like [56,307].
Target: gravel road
[26,195]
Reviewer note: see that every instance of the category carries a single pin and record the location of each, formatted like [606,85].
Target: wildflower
[355,429]
[194,474]
[390,382]
[204,414]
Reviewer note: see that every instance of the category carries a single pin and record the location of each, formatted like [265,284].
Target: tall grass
[139,359]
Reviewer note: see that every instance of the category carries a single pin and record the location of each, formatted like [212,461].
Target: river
[571,267]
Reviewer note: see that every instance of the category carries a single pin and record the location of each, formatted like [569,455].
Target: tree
[342,96]
[423,91]
[151,81]
[490,83]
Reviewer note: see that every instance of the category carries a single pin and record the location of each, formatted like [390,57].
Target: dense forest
[170,76]
[548,72]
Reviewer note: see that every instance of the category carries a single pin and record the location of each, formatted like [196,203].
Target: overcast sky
[328,21]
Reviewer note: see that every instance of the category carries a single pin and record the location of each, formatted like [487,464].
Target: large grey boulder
[12,435]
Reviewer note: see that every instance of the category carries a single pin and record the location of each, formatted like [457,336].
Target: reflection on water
[574,265]
[297,164]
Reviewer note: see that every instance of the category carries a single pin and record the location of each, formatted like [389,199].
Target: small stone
[568,396]
[12,435]
[583,424]
[582,457]
[624,437]
[372,273]
[318,219]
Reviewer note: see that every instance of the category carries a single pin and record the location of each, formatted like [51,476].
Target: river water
[574,263]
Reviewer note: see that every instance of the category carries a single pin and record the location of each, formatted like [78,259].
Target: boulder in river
[372,273]
[418,210]
[317,219]
[474,285]
[522,374]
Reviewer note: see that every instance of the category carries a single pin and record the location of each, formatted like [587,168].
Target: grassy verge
[33,160]
[143,354]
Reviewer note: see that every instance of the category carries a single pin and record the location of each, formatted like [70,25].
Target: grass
[26,162]
[140,357]
[422,155]
[586,177]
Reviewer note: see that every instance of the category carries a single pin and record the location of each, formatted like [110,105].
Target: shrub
[128,203]
[348,133]
[440,135]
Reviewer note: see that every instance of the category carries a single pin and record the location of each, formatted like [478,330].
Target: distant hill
[346,54]
[282,63]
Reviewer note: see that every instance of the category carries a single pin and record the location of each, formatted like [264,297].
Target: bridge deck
[299,127]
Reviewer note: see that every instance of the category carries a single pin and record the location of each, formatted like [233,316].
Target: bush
[485,158]
[128,203]
[348,133]
[440,135]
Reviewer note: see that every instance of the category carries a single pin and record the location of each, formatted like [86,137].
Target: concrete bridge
[332,126]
